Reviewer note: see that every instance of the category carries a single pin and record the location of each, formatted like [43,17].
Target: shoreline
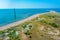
[21,21]
[18,22]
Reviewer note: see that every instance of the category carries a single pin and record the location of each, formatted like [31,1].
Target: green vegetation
[27,33]
[1,34]
[24,25]
[53,25]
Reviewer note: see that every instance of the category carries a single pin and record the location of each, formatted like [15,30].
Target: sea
[8,16]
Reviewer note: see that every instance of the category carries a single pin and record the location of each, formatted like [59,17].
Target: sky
[29,4]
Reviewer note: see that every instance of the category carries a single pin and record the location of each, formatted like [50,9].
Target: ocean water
[7,15]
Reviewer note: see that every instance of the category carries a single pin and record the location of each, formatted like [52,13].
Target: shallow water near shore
[7,15]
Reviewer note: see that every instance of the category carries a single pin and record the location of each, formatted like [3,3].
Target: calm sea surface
[7,15]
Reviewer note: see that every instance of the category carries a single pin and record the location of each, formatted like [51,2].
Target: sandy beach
[18,22]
